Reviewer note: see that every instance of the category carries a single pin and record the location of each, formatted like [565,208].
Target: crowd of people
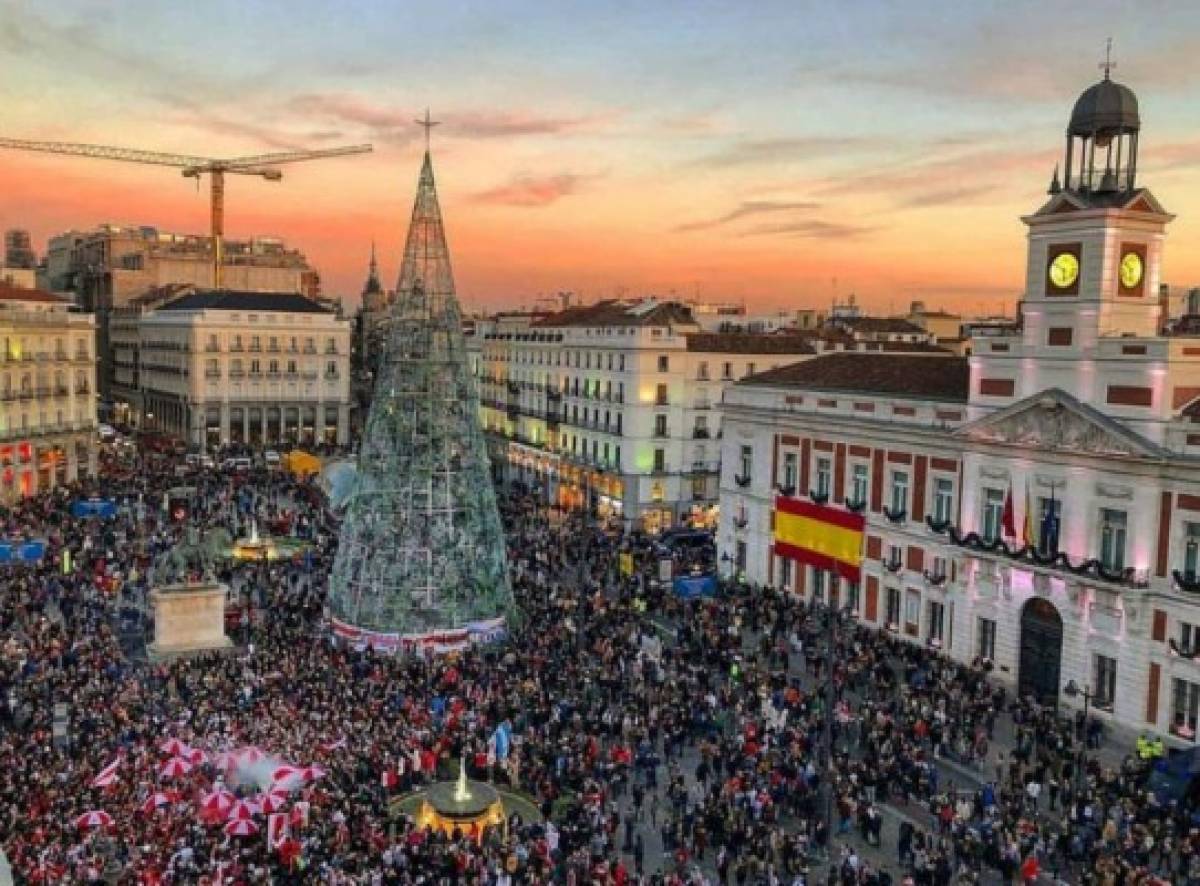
[662,741]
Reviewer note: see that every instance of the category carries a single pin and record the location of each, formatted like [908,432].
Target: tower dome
[1108,108]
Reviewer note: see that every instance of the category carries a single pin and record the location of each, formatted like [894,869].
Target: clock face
[1131,270]
[1064,270]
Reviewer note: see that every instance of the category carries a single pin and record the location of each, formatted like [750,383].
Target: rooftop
[881,324]
[932,376]
[8,292]
[749,343]
[612,312]
[235,300]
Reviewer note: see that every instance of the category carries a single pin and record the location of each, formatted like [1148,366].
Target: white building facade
[219,368]
[1035,506]
[613,405]
[47,392]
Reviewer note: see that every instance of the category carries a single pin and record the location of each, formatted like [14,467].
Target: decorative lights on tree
[421,548]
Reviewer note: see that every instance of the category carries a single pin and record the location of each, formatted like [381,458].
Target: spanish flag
[819,536]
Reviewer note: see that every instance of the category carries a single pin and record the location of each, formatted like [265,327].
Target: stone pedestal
[188,618]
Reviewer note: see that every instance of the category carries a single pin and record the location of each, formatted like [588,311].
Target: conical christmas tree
[421,547]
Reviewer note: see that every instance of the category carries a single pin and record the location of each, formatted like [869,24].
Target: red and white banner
[300,814]
[436,643]
[107,775]
[277,828]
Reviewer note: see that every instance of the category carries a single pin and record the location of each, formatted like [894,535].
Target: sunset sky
[757,151]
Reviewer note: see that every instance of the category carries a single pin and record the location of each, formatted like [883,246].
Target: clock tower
[1095,247]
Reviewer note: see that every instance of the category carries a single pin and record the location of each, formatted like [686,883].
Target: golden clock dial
[1131,270]
[1064,270]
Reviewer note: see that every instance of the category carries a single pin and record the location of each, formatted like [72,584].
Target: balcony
[213,373]
[700,433]
[662,432]
[309,349]
[61,390]
[237,374]
[212,348]
[662,401]
[236,347]
[702,404]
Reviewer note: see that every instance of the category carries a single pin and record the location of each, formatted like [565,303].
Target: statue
[194,559]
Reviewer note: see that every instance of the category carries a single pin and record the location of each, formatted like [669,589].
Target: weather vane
[1108,64]
[428,124]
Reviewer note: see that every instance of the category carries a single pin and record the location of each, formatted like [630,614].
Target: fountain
[463,805]
[255,547]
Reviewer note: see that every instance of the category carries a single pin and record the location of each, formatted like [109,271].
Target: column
[343,426]
[245,423]
[224,436]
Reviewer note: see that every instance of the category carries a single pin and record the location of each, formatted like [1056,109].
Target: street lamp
[1072,690]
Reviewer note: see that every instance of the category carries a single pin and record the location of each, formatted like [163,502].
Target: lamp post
[1072,690]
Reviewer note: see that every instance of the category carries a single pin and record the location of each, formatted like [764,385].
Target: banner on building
[819,536]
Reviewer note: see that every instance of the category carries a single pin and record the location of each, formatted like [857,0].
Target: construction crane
[193,167]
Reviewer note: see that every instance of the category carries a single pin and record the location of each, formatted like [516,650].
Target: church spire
[372,286]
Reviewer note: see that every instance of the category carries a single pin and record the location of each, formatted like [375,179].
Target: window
[749,369]
[938,569]
[727,370]
[785,573]
[664,363]
[660,460]
[1188,634]
[818,584]
[1185,705]
[899,492]
[858,484]
[747,461]
[660,426]
[1104,679]
[993,513]
[617,454]
[331,369]
[273,343]
[853,598]
[943,499]
[618,431]
[621,363]
[702,372]
[740,556]
[912,613]
[273,367]
[893,608]
[895,556]
[824,475]
[985,639]
[255,343]
[212,368]
[789,470]
[1112,539]
[255,367]
[935,629]
[1191,550]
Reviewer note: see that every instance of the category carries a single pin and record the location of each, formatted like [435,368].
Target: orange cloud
[530,191]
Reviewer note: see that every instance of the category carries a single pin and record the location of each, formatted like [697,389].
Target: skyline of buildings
[857,160]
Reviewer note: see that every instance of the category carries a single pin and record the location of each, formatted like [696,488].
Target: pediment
[1054,420]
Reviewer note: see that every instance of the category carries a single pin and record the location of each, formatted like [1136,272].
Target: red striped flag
[107,775]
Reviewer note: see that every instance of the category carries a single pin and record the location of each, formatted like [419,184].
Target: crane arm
[236,164]
[105,152]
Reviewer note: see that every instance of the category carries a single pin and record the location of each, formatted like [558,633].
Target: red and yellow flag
[819,536]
